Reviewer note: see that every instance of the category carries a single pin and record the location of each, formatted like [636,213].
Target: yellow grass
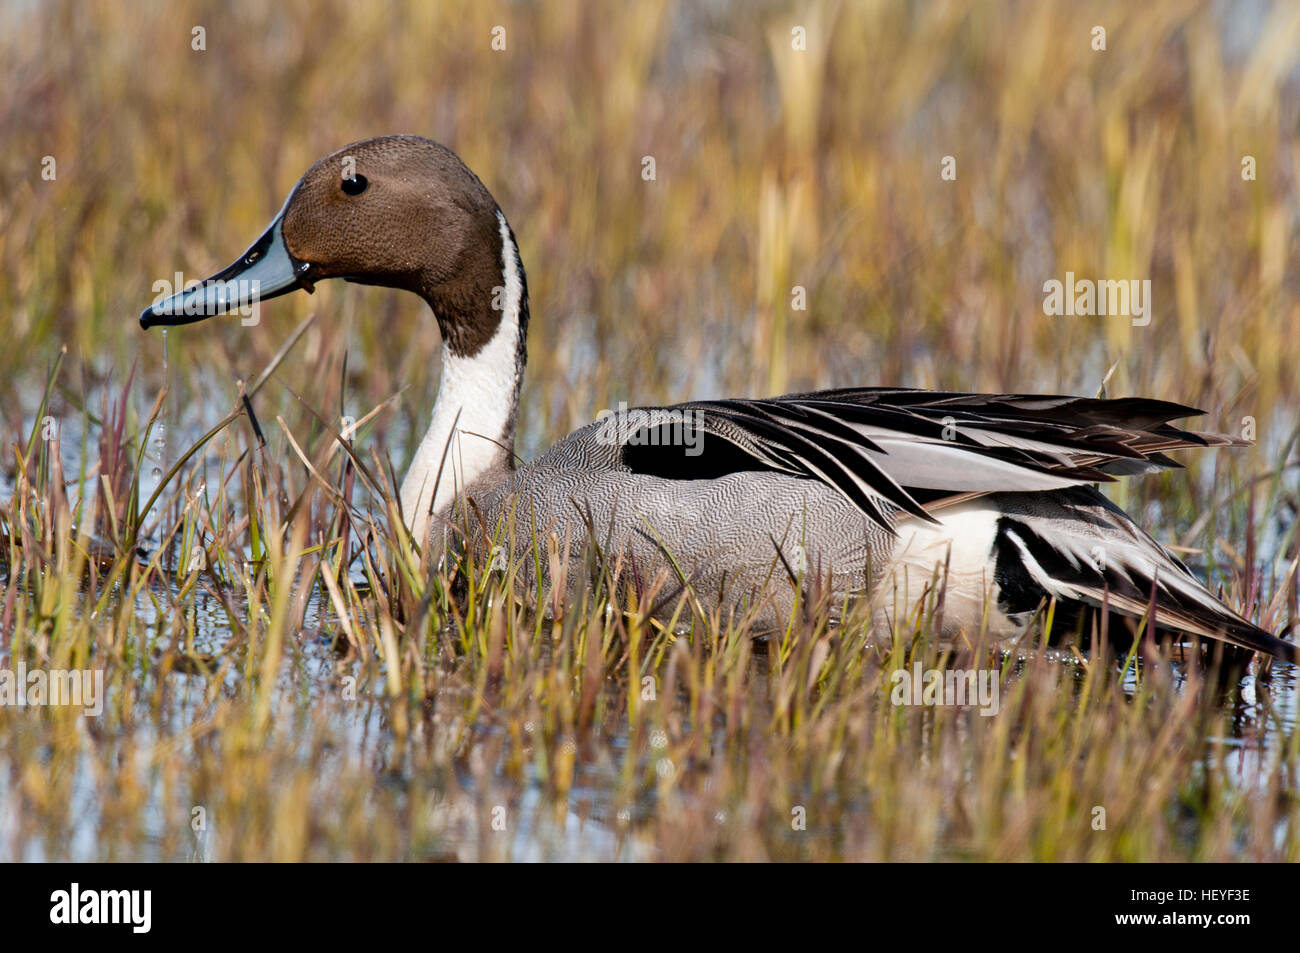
[311,697]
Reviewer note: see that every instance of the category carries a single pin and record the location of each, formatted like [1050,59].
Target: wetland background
[285,679]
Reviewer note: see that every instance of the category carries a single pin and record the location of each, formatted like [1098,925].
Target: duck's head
[399,211]
[403,212]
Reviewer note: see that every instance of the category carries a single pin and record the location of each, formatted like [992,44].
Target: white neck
[473,415]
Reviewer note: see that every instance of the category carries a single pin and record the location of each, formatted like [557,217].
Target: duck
[987,503]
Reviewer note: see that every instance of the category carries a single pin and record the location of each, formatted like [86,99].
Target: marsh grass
[289,678]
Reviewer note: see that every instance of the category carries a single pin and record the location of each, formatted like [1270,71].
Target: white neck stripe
[482,389]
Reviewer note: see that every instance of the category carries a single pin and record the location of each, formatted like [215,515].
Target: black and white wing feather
[891,450]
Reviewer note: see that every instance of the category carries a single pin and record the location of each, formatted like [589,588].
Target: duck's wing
[891,449]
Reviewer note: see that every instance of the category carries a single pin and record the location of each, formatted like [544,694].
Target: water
[156,453]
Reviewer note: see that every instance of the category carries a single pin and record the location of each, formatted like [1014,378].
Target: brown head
[399,211]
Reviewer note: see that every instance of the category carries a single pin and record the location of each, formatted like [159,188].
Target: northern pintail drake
[886,493]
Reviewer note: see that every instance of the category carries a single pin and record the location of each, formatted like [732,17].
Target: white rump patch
[964,543]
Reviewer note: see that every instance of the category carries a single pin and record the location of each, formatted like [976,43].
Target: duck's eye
[355,185]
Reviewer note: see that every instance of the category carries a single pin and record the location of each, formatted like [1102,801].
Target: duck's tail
[1076,546]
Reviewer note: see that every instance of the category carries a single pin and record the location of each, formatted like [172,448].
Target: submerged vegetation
[208,518]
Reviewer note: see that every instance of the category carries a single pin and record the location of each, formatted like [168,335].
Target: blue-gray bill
[266,270]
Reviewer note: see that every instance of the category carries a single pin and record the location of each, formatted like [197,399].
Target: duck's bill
[266,270]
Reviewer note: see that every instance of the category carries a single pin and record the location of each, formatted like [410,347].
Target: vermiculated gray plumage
[838,484]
